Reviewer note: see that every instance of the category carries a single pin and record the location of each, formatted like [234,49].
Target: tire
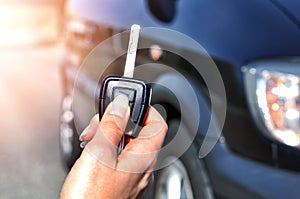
[185,178]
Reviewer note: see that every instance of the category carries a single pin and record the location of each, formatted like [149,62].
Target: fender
[192,107]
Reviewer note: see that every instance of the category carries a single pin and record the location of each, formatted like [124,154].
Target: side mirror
[164,10]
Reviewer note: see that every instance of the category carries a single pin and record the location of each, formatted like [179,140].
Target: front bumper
[236,177]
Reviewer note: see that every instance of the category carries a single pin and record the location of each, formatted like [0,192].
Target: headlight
[273,90]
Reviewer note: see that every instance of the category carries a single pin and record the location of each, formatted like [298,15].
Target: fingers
[152,134]
[113,122]
[139,155]
[115,119]
[103,145]
[90,131]
[105,136]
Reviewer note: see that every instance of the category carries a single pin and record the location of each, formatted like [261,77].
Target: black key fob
[138,92]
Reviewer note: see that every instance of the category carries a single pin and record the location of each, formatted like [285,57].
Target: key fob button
[130,93]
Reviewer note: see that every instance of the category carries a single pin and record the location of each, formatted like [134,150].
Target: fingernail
[82,144]
[119,106]
[83,134]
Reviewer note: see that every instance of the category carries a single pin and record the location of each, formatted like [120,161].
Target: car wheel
[184,178]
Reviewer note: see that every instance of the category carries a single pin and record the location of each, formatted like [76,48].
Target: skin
[102,172]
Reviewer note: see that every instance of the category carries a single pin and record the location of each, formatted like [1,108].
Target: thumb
[103,146]
[115,119]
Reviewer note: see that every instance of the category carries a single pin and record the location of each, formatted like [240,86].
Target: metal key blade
[131,52]
[130,62]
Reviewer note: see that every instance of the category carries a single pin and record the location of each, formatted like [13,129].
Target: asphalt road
[30,95]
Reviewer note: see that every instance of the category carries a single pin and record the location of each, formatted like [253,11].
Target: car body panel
[248,25]
[238,177]
[290,8]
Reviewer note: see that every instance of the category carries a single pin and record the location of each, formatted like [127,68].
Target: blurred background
[30,95]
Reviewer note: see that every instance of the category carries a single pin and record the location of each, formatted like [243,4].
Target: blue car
[234,130]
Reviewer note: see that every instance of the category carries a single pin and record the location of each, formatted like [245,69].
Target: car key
[138,91]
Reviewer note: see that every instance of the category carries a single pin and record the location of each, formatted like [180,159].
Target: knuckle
[111,127]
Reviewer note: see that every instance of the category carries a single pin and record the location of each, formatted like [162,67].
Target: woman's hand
[101,172]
